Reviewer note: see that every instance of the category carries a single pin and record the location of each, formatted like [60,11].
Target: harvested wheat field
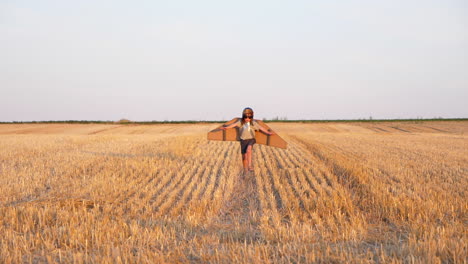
[389,192]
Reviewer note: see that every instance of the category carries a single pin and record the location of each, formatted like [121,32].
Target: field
[386,192]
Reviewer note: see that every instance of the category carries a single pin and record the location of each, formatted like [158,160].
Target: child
[247,127]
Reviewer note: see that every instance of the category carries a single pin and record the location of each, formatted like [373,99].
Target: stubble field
[386,192]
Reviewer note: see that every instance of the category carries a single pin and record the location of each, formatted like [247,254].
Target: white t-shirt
[247,131]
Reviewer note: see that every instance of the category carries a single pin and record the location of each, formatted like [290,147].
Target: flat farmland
[386,192]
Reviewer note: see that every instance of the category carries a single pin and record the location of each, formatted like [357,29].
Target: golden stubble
[341,192]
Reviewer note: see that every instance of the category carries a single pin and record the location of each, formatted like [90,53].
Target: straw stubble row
[166,194]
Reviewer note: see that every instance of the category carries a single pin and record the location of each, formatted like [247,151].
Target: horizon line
[126,121]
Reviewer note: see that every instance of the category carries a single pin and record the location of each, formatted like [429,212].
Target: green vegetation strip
[222,121]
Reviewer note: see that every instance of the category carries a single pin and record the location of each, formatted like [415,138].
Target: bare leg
[249,158]
[245,162]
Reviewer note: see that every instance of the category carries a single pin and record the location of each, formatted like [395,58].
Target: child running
[247,127]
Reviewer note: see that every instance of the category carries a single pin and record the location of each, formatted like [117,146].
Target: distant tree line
[276,119]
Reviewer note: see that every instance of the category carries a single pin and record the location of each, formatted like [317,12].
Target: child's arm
[264,130]
[230,126]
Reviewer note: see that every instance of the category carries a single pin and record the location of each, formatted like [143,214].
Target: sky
[207,60]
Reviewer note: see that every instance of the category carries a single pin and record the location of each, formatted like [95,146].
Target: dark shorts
[246,143]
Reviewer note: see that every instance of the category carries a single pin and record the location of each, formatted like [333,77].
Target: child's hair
[245,112]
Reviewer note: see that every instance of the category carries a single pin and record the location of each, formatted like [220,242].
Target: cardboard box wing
[232,134]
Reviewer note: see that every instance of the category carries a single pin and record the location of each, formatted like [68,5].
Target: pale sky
[207,60]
